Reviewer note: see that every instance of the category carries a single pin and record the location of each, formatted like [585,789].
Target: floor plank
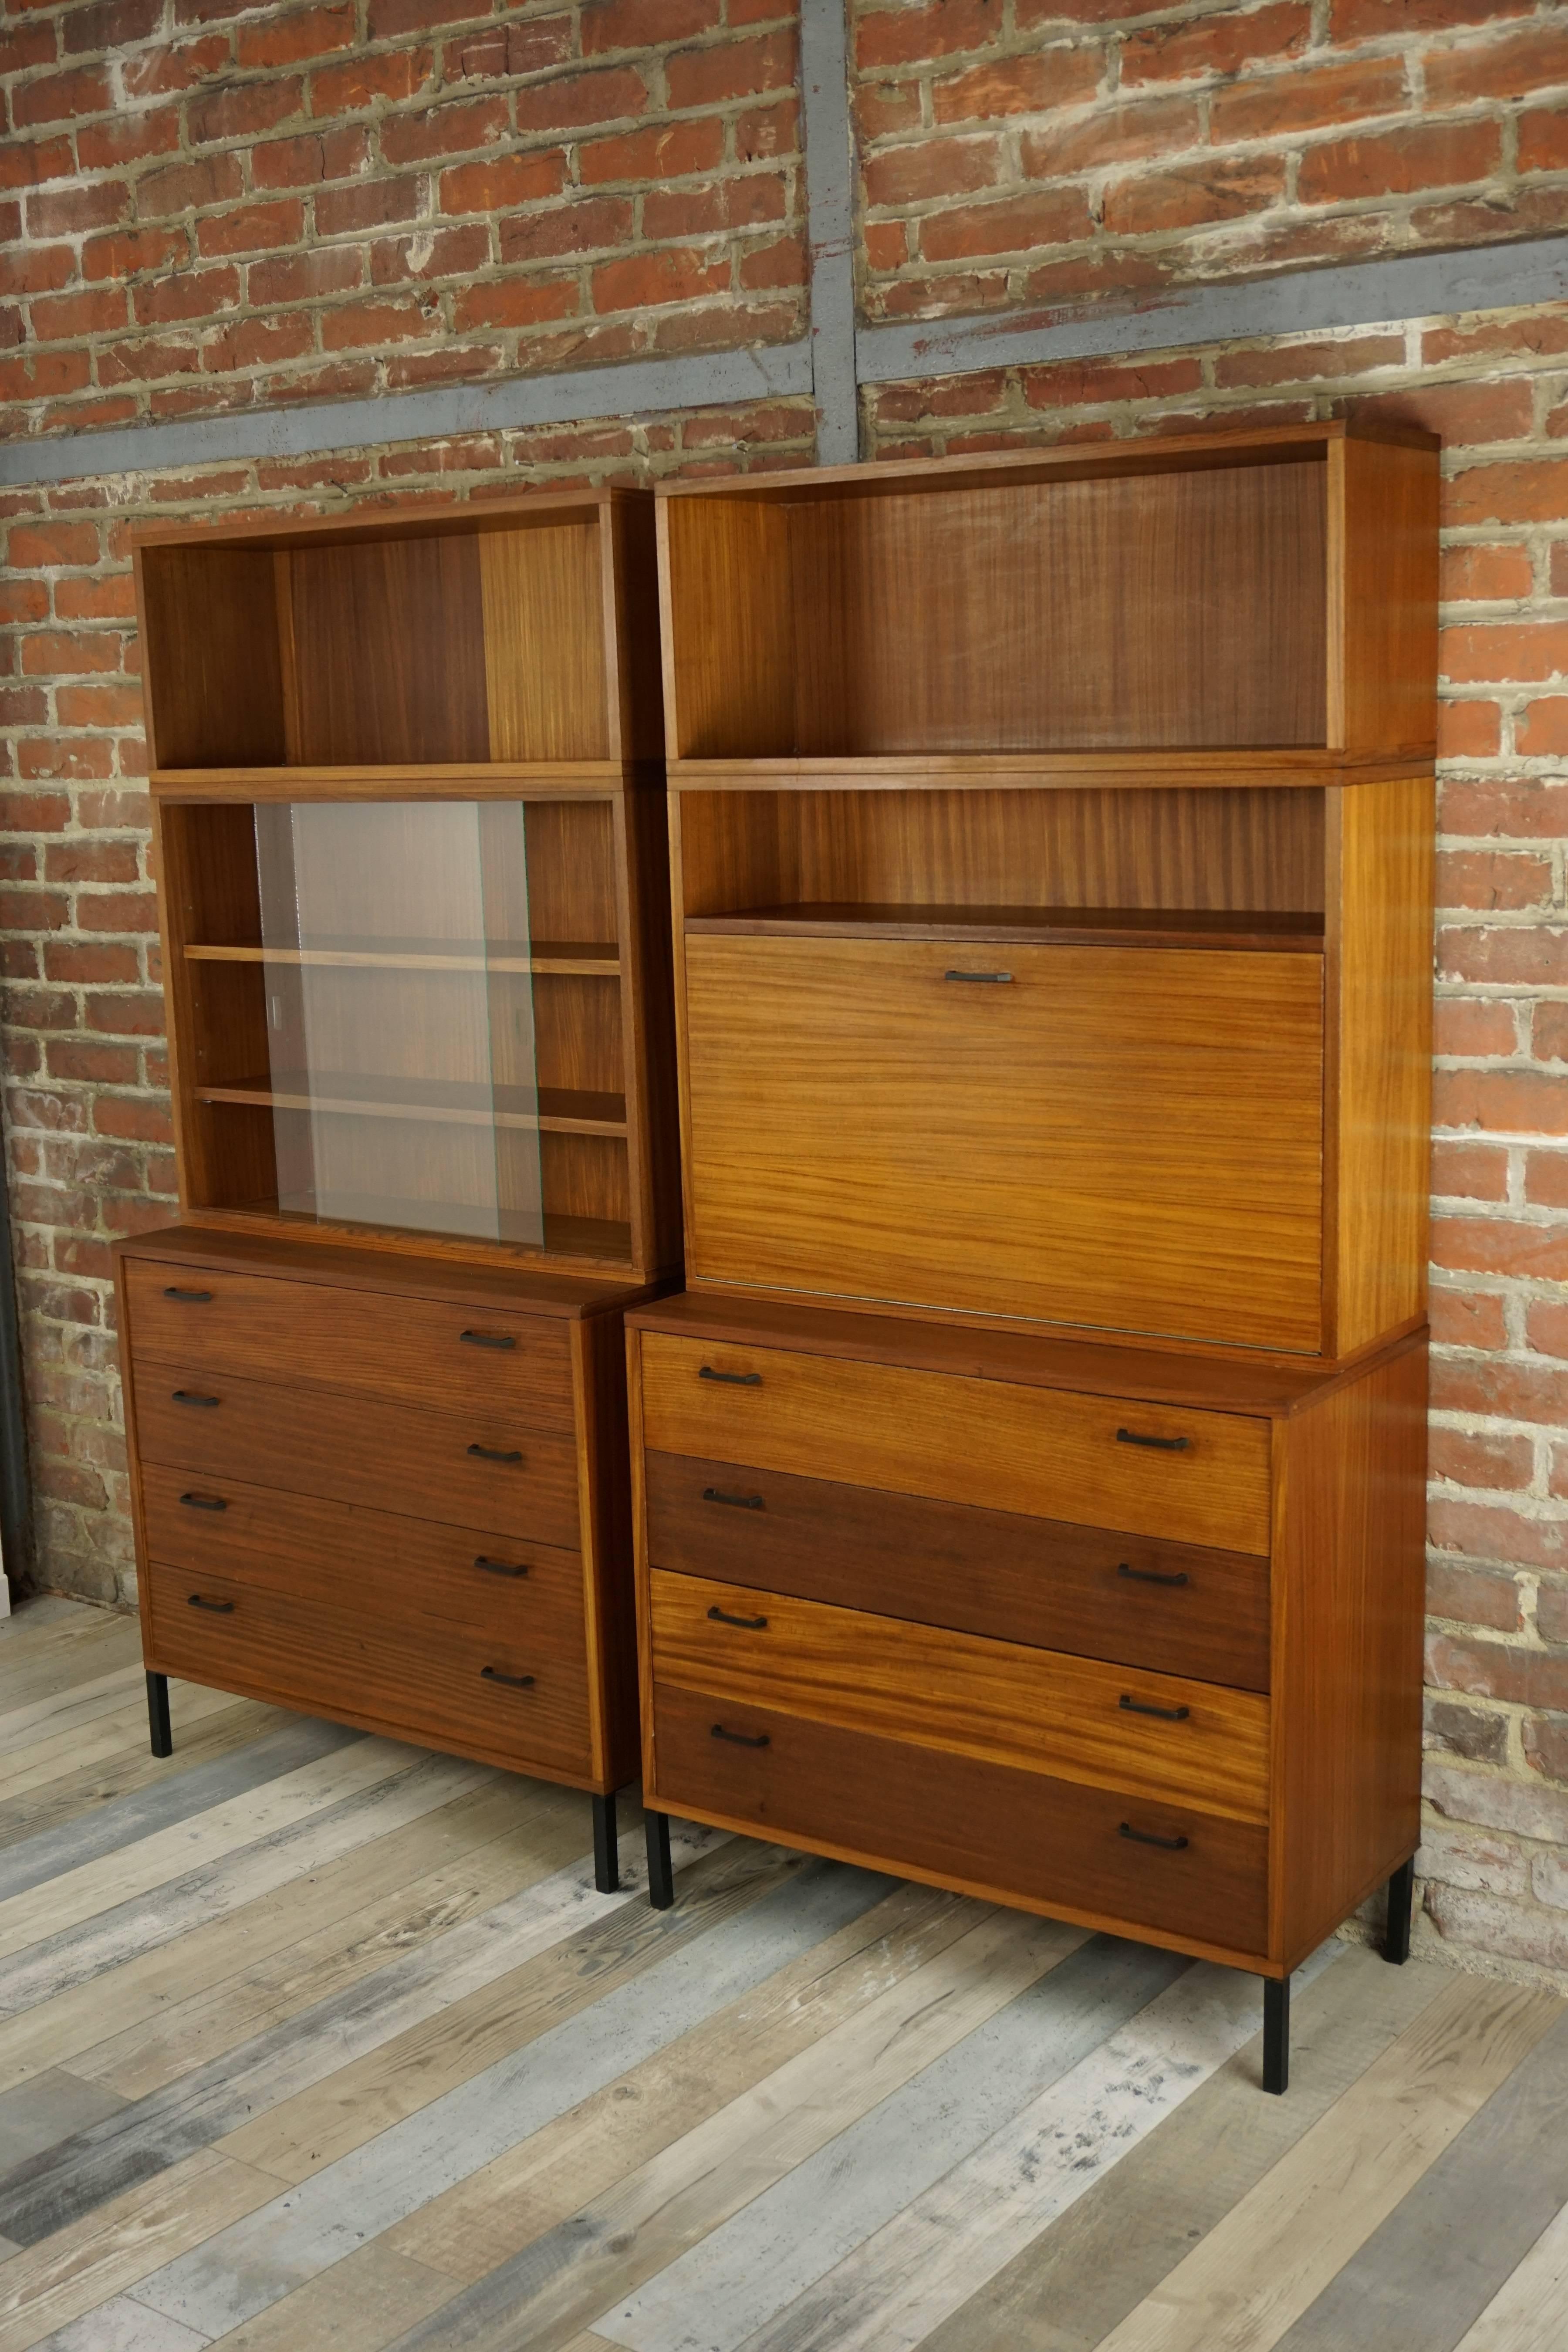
[1263,2265]
[359,2305]
[118,1739]
[46,2111]
[1529,2312]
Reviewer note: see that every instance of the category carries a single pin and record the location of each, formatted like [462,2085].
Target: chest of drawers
[1126,1636]
[392,1493]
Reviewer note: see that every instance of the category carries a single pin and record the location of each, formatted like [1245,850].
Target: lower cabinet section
[1017,1836]
[424,1530]
[1126,1633]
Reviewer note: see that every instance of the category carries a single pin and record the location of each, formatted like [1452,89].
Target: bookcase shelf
[1156,927]
[558,958]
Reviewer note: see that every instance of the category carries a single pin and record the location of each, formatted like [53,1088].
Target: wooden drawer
[1171,1607]
[407,1351]
[345,1557]
[1019,1836]
[354,1449]
[380,1666]
[1046,1452]
[1158,1735]
[861,1127]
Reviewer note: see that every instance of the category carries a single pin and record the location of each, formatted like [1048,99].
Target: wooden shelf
[1135,769]
[571,956]
[401,780]
[454,1102]
[595,1241]
[1157,927]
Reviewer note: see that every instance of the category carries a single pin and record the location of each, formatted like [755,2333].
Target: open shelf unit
[407,786]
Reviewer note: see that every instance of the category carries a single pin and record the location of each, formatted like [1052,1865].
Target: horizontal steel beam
[624,388]
[1292,303]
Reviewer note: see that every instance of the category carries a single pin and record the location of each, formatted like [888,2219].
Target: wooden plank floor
[313,2039]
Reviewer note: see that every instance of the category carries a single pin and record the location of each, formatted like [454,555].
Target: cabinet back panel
[215,690]
[571,870]
[1127,1139]
[544,643]
[384,652]
[584,1176]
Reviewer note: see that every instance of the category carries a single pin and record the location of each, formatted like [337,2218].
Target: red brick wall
[1025,152]
[206,205]
[82,1015]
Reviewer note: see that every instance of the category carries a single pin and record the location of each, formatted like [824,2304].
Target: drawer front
[407,1351]
[356,1450]
[1169,1739]
[1017,1835]
[418,1678]
[862,1126]
[343,1556]
[1171,1607]
[1046,1452]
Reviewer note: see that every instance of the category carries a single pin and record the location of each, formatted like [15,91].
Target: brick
[661,153]
[1521,956]
[1135,130]
[1308,98]
[571,101]
[1216,47]
[161,72]
[38,546]
[387,20]
[127,139]
[1546,1179]
[1549,1034]
[1472,1458]
[905,35]
[1485,879]
[1474,1172]
[1515,810]
[289,38]
[305,277]
[1464,1027]
[1544,140]
[1546,1752]
[1462,1318]
[782,262]
[306,162]
[1508,63]
[444,130]
[253,228]
[244,109]
[754,202]
[1309,362]
[188,294]
[645,23]
[1522,652]
[377,323]
[503,181]
[1037,81]
[943,167]
[1499,1245]
[131,251]
[60,317]
[259,342]
[731,69]
[362,82]
[186,187]
[1470,1596]
[27,163]
[1044,217]
[1503,1670]
[525,48]
[47,374]
[591,226]
[1194,195]
[673,274]
[515,302]
[70,654]
[61,96]
[68,212]
[440,253]
[1482,574]
[1397,162]
[112,25]
[1525,490]
[43,270]
[374,204]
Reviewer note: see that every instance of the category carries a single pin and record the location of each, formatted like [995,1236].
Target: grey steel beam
[830,225]
[624,388]
[1292,303]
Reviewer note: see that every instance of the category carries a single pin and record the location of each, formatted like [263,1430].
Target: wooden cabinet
[1031,1481]
[410,830]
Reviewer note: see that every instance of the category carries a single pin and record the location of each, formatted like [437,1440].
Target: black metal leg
[606,1859]
[1275,2033]
[158,1723]
[660,1877]
[1401,1893]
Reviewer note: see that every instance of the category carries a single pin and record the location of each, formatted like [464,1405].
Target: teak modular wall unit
[409,819]
[1052,849]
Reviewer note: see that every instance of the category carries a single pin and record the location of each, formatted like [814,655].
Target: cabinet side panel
[1348,1600]
[607,1516]
[133,1461]
[1390,596]
[1382,1072]
[214,687]
[632,603]
[650,1027]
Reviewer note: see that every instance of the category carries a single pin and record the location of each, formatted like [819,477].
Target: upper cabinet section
[520,633]
[1239,595]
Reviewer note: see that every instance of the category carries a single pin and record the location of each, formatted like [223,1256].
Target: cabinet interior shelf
[555,1110]
[1161,927]
[597,1241]
[585,958]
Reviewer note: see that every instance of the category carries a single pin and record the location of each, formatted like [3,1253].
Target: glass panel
[400,1013]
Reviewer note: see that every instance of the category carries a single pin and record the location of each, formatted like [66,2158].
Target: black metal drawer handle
[495,1453]
[487,1338]
[996,979]
[189,1396]
[499,1567]
[513,1682]
[188,1297]
[218,1607]
[1147,1837]
[741,1738]
[203,1502]
[1141,1707]
[1162,1445]
[731,1379]
[736,1502]
[1150,1575]
[750,1624]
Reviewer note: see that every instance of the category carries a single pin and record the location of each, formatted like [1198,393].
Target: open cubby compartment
[1235,594]
[447,1055]
[1237,866]
[498,634]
